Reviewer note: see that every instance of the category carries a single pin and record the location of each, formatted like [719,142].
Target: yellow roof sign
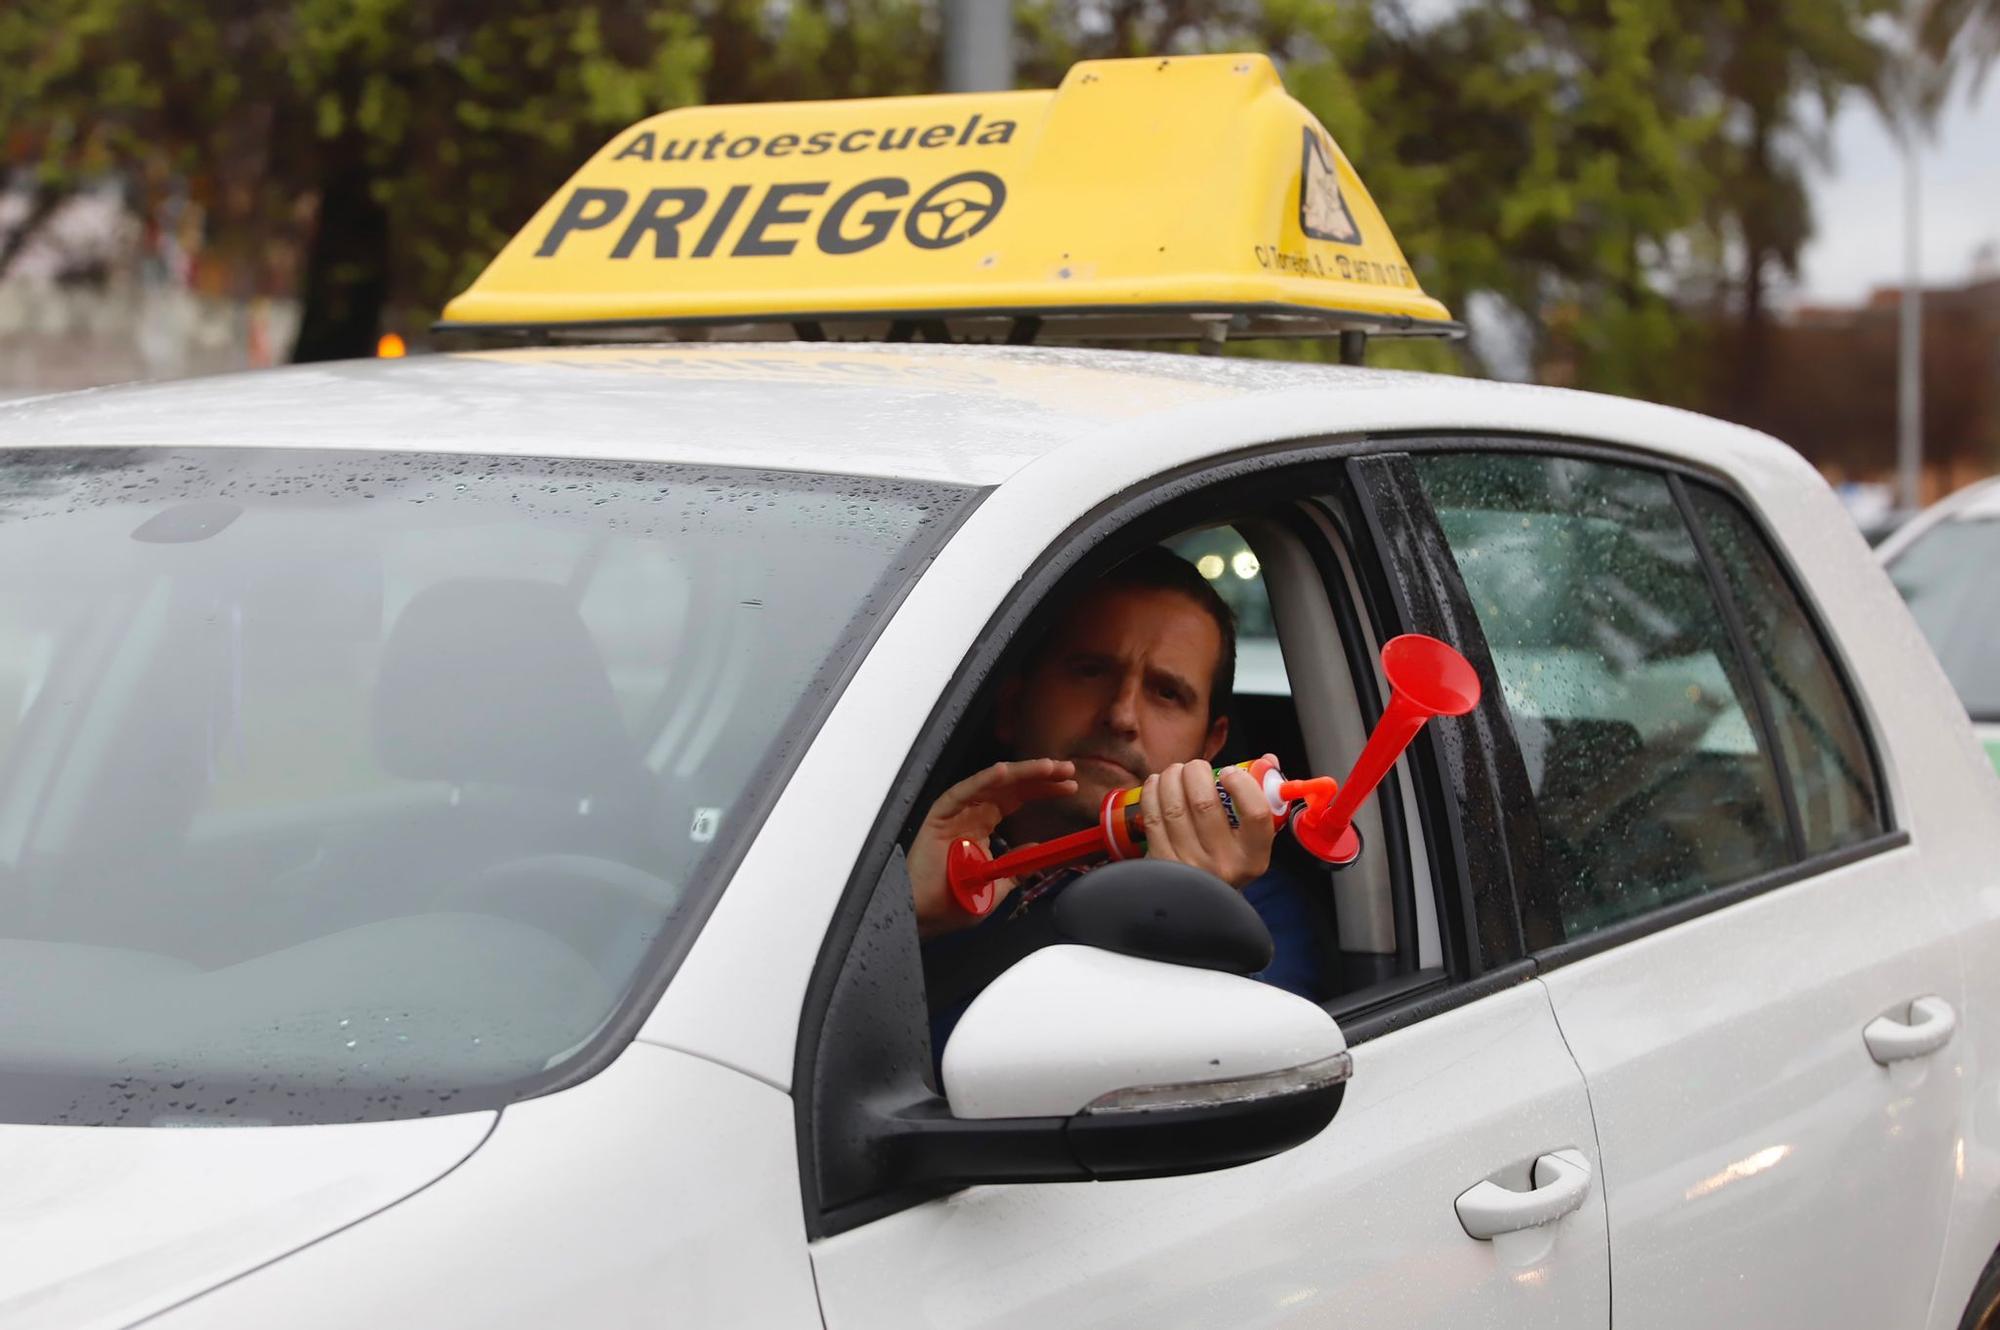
[1156,197]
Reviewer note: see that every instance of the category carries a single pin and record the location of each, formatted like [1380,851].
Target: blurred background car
[1873,506]
[1943,563]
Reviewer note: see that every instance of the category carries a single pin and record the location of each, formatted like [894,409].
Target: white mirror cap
[1071,1028]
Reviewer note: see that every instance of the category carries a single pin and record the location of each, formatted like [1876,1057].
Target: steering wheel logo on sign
[955,209]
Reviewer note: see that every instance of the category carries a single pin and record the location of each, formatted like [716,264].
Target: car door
[1746,959]
[1465,1115]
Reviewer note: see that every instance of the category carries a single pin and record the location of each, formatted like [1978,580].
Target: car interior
[1299,697]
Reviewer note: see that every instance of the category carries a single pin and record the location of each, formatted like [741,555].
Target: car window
[1222,554]
[347,785]
[1819,736]
[1650,778]
[303,728]
[1263,716]
[1947,576]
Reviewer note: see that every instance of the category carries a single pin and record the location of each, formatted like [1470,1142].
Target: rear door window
[1649,768]
[1819,735]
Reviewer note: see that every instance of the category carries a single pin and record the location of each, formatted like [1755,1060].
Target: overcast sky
[1858,203]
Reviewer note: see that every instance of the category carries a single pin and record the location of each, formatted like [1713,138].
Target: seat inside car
[492,694]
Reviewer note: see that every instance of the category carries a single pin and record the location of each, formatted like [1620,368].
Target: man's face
[1121,689]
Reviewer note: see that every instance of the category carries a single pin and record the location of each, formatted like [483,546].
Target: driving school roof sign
[1155,197]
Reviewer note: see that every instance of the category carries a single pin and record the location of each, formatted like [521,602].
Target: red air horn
[1426,678]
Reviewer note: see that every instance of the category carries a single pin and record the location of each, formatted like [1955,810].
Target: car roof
[1979,501]
[972,415]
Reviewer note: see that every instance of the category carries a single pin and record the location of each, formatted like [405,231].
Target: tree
[1577,166]
[406,138]
[1527,154]
[1962,31]
[1771,73]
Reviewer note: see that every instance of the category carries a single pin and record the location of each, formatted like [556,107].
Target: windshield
[338,786]
[1947,576]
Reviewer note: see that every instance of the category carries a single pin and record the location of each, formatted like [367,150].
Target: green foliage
[1528,150]
[465,117]
[1965,32]
[1589,167]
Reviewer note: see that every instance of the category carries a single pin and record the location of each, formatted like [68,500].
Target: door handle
[1930,1027]
[1562,1180]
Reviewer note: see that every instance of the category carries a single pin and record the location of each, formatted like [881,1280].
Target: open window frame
[863,1052]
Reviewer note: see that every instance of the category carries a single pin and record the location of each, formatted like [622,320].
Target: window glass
[346,785]
[1818,734]
[1649,775]
[1223,556]
[1947,575]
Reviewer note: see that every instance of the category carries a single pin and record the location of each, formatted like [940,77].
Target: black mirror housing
[1165,911]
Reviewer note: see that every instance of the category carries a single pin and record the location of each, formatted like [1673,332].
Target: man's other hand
[970,810]
[1186,823]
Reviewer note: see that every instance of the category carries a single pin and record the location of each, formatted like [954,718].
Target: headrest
[497,680]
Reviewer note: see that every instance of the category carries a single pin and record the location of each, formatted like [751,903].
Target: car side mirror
[1137,1047]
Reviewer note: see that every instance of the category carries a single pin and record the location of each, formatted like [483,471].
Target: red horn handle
[971,874]
[1119,834]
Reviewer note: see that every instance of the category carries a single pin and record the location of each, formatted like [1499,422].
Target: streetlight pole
[978,45]
[1910,354]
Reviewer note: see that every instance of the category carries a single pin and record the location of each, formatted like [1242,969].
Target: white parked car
[452,810]
[475,783]
[1943,563]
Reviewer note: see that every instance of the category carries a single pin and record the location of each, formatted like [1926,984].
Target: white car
[451,810]
[475,783]
[1941,562]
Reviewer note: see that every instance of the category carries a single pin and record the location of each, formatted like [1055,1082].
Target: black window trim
[1829,645]
[1679,471]
[1099,537]
[1430,596]
[1746,661]
[1424,995]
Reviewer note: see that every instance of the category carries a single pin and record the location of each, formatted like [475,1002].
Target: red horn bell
[1426,678]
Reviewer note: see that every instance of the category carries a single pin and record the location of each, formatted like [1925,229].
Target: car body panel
[973,415]
[1958,807]
[1746,1131]
[1943,792]
[103,1226]
[664,1191]
[913,412]
[1356,1227]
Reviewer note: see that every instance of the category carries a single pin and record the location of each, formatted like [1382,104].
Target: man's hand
[1185,822]
[970,810]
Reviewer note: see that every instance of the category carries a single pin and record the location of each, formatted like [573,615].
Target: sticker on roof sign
[692,221]
[654,145]
[1323,214]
